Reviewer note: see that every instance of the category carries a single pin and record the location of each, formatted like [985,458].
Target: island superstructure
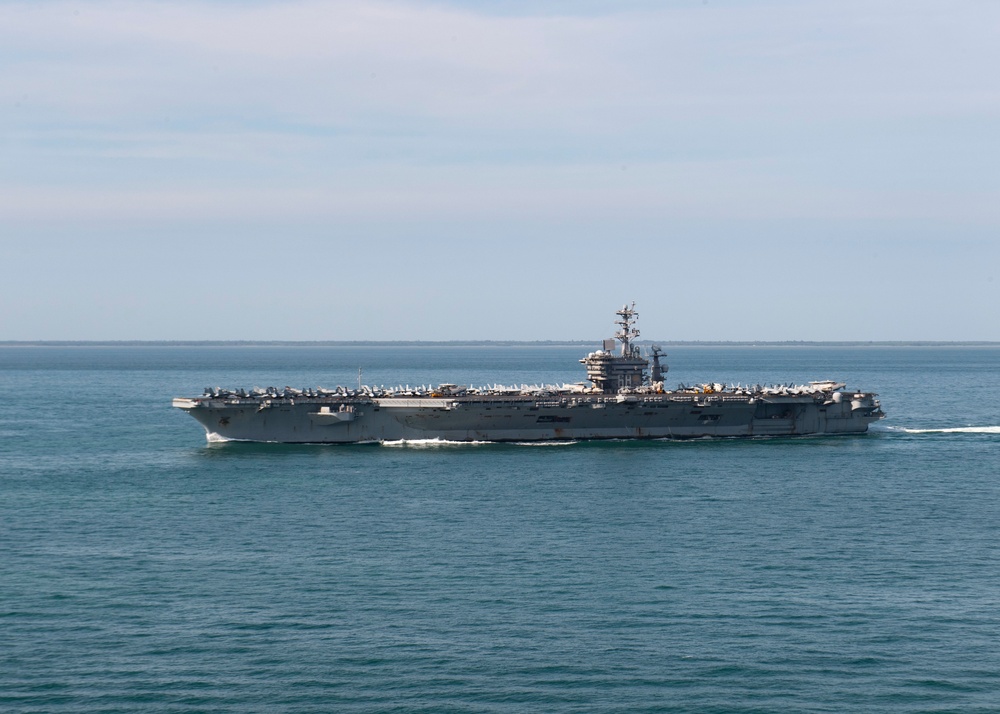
[625,399]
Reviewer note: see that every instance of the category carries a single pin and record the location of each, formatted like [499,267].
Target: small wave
[949,430]
[213,438]
[421,443]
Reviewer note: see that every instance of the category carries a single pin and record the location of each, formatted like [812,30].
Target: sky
[381,170]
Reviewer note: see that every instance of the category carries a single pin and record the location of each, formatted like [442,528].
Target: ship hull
[661,416]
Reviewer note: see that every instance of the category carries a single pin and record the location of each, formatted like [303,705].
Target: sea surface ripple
[144,569]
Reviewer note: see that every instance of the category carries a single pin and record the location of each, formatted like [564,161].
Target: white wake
[951,430]
[422,443]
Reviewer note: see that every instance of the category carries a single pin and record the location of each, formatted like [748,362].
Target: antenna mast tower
[628,332]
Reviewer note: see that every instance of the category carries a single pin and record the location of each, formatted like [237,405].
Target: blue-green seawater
[142,569]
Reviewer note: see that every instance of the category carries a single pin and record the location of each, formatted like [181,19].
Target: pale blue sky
[760,170]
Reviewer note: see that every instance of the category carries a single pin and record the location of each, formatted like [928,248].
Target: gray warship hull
[622,402]
[662,416]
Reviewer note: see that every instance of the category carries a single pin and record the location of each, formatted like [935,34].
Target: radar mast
[628,332]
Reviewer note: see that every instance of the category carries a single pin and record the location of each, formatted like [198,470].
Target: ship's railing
[553,401]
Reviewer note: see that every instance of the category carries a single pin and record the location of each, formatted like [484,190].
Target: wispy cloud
[329,62]
[241,92]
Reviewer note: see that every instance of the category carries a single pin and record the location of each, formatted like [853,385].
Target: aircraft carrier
[624,398]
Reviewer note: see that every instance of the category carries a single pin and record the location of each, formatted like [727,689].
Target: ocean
[143,569]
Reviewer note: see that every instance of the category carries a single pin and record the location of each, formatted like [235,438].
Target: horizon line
[488,343]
